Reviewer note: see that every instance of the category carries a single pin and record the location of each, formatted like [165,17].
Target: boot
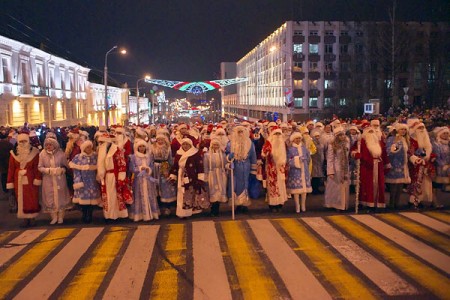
[84,210]
[297,204]
[25,223]
[61,216]
[303,203]
[54,216]
[89,214]
[215,209]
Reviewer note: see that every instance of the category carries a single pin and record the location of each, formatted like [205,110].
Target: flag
[289,102]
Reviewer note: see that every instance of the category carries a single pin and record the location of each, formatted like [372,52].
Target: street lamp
[105,78]
[147,77]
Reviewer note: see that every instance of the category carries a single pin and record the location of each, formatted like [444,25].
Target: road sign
[405,89]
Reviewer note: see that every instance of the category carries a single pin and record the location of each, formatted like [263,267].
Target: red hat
[275,129]
[210,128]
[365,125]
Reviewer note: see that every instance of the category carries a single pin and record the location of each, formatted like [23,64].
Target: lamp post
[137,97]
[105,78]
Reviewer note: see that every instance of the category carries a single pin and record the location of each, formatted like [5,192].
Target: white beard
[373,144]
[160,152]
[22,151]
[69,147]
[278,150]
[240,146]
[379,134]
[424,142]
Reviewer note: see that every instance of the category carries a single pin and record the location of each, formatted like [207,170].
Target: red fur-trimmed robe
[26,186]
[371,175]
[275,177]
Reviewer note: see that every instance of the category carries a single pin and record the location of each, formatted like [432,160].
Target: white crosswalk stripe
[212,275]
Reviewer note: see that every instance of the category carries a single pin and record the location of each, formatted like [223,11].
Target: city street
[320,254]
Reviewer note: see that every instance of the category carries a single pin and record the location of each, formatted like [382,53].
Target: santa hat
[106,138]
[85,144]
[120,129]
[366,126]
[50,135]
[102,128]
[315,132]
[50,140]
[141,132]
[24,135]
[413,124]
[283,125]
[138,143]
[335,122]
[245,123]
[85,134]
[375,122]
[319,125]
[354,128]
[441,130]
[182,125]
[275,129]
[303,130]
[271,124]
[221,131]
[295,135]
[74,133]
[187,140]
[399,126]
[210,128]
[338,130]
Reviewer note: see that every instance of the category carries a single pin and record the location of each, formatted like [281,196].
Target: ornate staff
[358,163]
[230,159]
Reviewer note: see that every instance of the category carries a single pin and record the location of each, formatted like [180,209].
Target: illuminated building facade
[37,87]
[334,67]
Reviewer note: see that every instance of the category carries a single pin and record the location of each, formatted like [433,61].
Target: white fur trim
[201,176]
[10,186]
[173,177]
[122,176]
[37,182]
[297,162]
[78,185]
[413,159]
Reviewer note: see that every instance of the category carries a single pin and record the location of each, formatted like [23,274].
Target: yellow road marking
[19,270]
[165,282]
[423,232]
[254,279]
[424,275]
[445,217]
[347,285]
[5,235]
[88,279]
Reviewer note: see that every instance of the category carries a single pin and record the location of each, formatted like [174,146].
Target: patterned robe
[337,193]
[55,193]
[111,170]
[216,175]
[145,206]
[442,163]
[399,173]
[25,178]
[86,188]
[276,177]
[299,178]
[161,169]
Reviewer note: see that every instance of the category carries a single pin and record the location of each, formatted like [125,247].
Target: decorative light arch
[197,87]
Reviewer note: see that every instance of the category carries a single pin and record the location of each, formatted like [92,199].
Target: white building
[38,87]
[143,108]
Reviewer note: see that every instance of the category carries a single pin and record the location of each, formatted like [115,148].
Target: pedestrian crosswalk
[404,255]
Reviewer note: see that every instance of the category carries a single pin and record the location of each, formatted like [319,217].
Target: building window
[298,32]
[298,83]
[313,66]
[343,102]
[344,67]
[329,84]
[5,68]
[313,102]
[358,48]
[313,32]
[327,102]
[312,84]
[344,48]
[329,32]
[298,66]
[313,48]
[344,32]
[298,48]
[298,102]
[329,67]
[328,48]
[359,33]
[359,67]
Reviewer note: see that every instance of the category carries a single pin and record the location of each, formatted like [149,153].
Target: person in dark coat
[5,148]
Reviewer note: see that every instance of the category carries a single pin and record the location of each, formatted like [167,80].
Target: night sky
[179,39]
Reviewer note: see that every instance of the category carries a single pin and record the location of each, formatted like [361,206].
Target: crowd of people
[143,172]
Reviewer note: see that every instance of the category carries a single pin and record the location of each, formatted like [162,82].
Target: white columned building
[37,87]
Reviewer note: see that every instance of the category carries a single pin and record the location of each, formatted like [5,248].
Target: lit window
[327,102]
[298,102]
[313,48]
[329,84]
[298,48]
[343,102]
[313,66]
[298,83]
[313,102]
[312,84]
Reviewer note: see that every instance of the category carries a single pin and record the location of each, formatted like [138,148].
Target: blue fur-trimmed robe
[399,173]
[144,206]
[442,164]
[299,178]
[86,188]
